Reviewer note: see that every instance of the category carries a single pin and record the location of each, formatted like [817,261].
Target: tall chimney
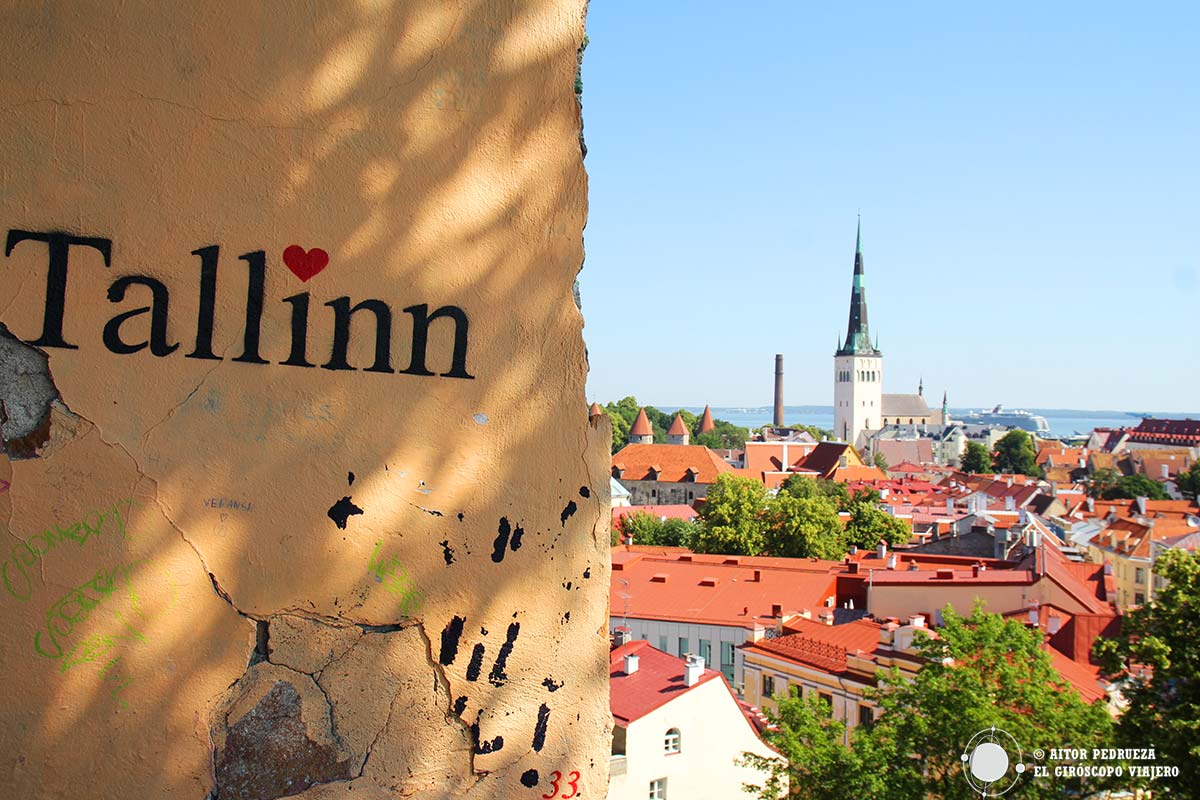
[778,420]
[693,669]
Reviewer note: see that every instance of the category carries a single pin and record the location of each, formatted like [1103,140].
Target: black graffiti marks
[349,478]
[539,731]
[530,778]
[568,512]
[515,544]
[585,492]
[342,510]
[450,636]
[460,705]
[476,664]
[500,546]
[587,573]
[447,551]
[498,676]
[552,685]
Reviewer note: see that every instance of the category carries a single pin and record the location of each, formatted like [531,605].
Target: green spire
[858,242]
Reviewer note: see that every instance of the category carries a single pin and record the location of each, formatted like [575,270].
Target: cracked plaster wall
[242,569]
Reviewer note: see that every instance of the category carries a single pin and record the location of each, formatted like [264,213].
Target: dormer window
[618,471]
[653,473]
[690,475]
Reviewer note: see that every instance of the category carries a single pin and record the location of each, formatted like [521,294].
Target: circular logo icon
[992,762]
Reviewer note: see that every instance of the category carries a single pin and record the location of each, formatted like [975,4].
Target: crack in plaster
[214,118]
[171,412]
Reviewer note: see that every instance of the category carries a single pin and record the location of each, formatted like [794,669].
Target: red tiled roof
[657,681]
[672,587]
[672,461]
[641,425]
[595,410]
[1084,678]
[822,646]
[825,457]
[677,427]
[706,421]
[854,472]
[1167,431]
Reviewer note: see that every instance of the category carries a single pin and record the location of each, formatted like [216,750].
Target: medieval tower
[858,366]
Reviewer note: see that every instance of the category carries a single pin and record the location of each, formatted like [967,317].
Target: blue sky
[1027,175]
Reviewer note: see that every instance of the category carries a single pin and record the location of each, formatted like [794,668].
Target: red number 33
[572,781]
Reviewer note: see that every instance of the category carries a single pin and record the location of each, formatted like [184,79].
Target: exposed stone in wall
[298,494]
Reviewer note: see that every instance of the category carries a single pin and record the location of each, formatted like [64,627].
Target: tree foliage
[734,522]
[804,486]
[1164,700]
[868,525]
[1128,487]
[980,671]
[725,435]
[977,460]
[1015,455]
[1188,482]
[645,528]
[1102,480]
[804,527]
[880,460]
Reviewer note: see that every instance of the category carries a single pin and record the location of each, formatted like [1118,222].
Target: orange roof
[706,421]
[595,410]
[641,425]
[1060,455]
[717,590]
[677,427]
[1084,678]
[672,463]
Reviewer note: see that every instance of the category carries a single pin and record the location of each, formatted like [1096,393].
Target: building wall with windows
[689,747]
[718,645]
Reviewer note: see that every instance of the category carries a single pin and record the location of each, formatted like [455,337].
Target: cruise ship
[1009,419]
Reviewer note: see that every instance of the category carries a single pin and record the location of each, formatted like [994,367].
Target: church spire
[858,338]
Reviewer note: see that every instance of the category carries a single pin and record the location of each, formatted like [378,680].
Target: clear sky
[1028,177]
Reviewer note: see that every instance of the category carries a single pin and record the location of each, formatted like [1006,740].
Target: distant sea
[1063,422]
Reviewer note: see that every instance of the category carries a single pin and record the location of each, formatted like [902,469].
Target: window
[1140,575]
[658,789]
[671,742]
[1139,599]
[662,643]
[768,686]
[827,698]
[865,714]
[726,654]
[706,651]
[683,646]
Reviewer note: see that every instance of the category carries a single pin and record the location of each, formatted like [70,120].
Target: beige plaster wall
[227,576]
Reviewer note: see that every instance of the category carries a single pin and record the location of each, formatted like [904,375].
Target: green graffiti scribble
[15,570]
[76,606]
[394,577]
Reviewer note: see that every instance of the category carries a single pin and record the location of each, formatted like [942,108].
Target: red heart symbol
[304,264]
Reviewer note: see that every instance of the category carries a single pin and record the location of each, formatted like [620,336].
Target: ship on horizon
[1010,419]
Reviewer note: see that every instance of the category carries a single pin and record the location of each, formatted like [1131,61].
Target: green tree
[980,671]
[724,436]
[1101,481]
[977,459]
[814,762]
[804,486]
[880,460]
[868,525]
[647,529]
[1015,454]
[1164,700]
[820,434]
[690,420]
[1128,487]
[733,519]
[803,527]
[1188,482]
[620,428]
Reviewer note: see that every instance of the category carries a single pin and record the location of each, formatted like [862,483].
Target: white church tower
[858,367]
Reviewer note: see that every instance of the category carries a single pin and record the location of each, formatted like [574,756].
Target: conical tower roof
[641,425]
[706,421]
[858,337]
[677,427]
[595,410]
